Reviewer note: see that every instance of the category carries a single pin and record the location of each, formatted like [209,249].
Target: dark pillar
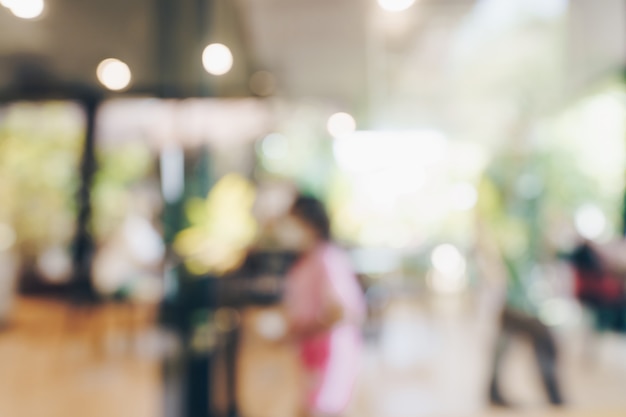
[83,245]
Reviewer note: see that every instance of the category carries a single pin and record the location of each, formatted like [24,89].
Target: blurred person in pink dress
[325,308]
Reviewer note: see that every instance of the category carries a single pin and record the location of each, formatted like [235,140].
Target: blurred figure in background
[517,321]
[519,324]
[325,308]
[599,282]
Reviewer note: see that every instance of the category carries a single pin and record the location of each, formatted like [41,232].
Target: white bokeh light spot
[448,260]
[341,124]
[590,221]
[217,59]
[25,9]
[114,74]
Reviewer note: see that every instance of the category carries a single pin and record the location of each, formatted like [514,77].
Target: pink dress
[330,359]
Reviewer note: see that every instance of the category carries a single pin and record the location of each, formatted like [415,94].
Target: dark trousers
[516,324]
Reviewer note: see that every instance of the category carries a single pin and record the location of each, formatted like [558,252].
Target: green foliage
[40,150]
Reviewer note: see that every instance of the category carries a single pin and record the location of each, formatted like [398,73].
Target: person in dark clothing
[599,287]
[516,324]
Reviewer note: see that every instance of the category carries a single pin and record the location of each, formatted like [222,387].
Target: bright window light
[463,197]
[369,151]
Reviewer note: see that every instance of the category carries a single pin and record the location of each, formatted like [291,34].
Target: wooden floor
[60,362]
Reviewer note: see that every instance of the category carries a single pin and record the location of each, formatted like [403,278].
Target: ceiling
[388,69]
[342,49]
[337,50]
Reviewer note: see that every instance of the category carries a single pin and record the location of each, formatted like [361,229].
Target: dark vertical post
[83,245]
[181,32]
[203,15]
[165,51]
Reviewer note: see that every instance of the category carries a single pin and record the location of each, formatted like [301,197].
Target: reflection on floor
[431,359]
[55,362]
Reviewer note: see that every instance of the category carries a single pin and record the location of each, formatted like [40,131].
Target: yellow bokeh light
[222,227]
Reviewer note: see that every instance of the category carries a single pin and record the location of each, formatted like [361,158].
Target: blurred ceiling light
[217,59]
[262,83]
[590,221]
[25,9]
[7,237]
[114,74]
[274,146]
[341,124]
[395,5]
[463,197]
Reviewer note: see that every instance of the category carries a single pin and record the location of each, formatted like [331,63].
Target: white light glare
[463,197]
[24,9]
[341,124]
[217,59]
[395,5]
[590,221]
[370,151]
[114,74]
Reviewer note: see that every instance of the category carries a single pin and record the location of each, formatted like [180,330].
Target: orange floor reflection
[56,361]
[430,361]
